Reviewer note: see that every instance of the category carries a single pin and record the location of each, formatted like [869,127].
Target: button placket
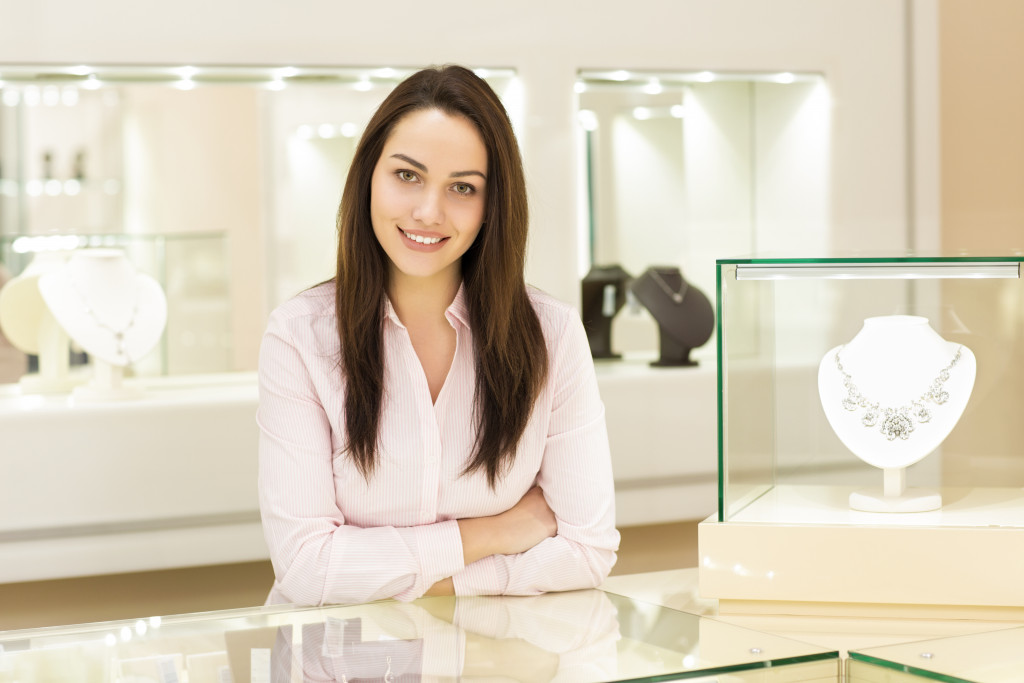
[431,466]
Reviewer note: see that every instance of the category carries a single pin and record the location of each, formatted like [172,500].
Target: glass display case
[581,636]
[192,269]
[867,412]
[995,657]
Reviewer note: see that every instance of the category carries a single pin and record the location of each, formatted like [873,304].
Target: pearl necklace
[898,421]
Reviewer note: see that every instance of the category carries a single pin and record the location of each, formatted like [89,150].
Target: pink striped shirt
[336,538]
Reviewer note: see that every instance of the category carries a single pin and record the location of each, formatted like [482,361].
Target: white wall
[857,44]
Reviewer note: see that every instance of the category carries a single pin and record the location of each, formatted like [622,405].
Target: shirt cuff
[488,576]
[439,549]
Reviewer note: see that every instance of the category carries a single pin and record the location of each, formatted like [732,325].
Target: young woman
[428,424]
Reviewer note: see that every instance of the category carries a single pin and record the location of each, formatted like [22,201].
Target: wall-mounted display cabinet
[866,419]
[256,154]
[678,168]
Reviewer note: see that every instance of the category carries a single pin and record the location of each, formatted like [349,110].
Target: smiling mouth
[423,240]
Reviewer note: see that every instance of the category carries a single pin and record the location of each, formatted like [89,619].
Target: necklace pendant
[676,296]
[870,418]
[897,424]
[850,403]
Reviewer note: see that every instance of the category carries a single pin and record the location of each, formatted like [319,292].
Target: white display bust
[110,310]
[30,326]
[893,362]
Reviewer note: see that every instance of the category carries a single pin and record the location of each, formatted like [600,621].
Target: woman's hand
[527,523]
[514,531]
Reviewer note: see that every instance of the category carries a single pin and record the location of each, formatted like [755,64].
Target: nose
[429,208]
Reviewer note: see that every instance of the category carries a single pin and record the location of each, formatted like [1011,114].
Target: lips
[423,240]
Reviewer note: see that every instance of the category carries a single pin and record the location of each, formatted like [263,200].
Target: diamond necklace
[898,421]
[117,334]
[675,296]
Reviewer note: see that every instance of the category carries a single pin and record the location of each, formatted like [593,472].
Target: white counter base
[118,552]
[168,479]
[802,550]
[662,429]
[163,481]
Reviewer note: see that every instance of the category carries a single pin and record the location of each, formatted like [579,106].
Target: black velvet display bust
[684,314]
[603,295]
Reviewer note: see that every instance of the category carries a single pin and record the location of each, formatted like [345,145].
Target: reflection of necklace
[676,296]
[896,422]
[117,334]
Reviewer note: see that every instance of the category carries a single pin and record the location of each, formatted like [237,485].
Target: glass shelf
[581,635]
[995,657]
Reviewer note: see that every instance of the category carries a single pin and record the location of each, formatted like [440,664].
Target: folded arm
[576,479]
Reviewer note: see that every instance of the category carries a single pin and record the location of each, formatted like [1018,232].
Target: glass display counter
[996,657]
[869,452]
[581,636]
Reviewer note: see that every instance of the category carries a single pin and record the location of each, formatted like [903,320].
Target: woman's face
[427,194]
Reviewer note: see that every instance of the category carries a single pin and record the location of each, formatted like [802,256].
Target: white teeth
[421,239]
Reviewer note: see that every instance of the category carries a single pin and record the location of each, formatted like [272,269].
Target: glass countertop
[993,657]
[586,635]
[1012,255]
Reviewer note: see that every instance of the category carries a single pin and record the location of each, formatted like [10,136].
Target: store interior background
[925,151]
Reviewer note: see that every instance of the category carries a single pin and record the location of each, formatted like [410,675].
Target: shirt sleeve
[317,557]
[576,477]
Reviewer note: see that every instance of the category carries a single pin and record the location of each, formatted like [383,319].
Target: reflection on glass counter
[580,636]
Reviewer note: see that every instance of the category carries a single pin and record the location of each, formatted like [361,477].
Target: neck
[418,298]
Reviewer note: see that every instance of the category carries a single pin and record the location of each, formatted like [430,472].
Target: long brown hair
[511,357]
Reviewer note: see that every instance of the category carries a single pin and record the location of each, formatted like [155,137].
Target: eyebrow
[420,166]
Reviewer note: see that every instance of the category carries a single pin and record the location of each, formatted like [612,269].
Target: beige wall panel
[982,143]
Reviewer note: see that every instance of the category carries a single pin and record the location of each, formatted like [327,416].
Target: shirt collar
[389,311]
[456,311]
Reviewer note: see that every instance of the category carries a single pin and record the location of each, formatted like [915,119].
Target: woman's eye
[407,176]
[463,188]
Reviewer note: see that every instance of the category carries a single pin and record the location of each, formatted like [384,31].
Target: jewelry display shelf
[589,635]
[820,511]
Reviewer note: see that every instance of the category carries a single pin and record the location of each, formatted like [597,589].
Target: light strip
[878,271]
